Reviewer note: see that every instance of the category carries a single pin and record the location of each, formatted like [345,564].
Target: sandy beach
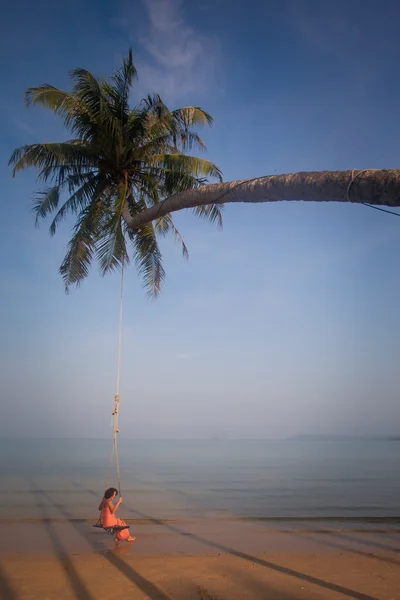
[224,523]
[219,560]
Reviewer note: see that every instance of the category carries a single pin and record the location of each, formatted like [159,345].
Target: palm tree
[120,162]
[371,187]
[126,171]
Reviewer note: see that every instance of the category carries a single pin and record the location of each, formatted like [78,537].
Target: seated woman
[108,518]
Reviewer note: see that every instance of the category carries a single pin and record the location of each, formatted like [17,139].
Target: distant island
[344,438]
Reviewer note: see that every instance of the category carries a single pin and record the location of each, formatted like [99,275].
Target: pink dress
[109,520]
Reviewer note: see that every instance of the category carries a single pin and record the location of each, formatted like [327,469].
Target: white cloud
[172,43]
[176,60]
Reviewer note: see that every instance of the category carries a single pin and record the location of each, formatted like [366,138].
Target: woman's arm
[113,507]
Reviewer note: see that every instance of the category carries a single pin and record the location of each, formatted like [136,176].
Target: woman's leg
[124,535]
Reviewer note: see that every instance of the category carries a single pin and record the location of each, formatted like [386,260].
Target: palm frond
[51,156]
[211,213]
[153,105]
[192,116]
[164,225]
[96,122]
[157,144]
[65,176]
[121,84]
[91,189]
[178,124]
[163,141]
[75,113]
[188,140]
[59,102]
[173,182]
[89,90]
[137,126]
[148,259]
[46,202]
[184,164]
[111,247]
[81,248]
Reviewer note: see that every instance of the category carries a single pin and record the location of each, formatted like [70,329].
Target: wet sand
[206,560]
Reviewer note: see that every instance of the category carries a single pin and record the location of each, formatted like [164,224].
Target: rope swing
[115,424]
[115,413]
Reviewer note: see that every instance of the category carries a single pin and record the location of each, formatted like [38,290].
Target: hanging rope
[115,413]
[353,177]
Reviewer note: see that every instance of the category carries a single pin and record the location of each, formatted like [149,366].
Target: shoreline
[40,536]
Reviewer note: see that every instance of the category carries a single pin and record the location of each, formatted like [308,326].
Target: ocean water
[355,482]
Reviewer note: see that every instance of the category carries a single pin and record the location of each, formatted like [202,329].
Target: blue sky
[287,321]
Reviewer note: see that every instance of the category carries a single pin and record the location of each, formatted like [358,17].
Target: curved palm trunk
[370,186]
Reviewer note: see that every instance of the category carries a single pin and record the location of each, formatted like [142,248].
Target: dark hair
[110,492]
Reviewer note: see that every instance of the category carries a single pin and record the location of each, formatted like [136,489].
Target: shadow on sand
[78,587]
[349,593]
[335,543]
[368,543]
[7,590]
[146,586]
